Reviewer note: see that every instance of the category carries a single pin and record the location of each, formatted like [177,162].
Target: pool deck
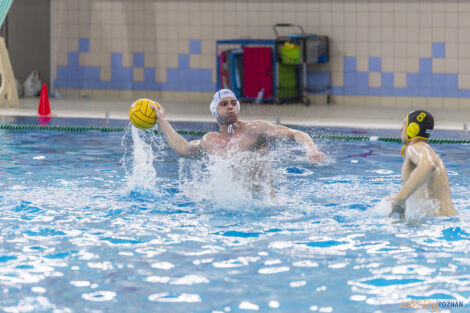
[340,115]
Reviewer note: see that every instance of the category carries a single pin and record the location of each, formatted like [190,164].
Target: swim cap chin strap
[403,150]
[219,95]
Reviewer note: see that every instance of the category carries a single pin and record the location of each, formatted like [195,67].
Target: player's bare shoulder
[421,151]
[208,140]
[258,127]
[259,123]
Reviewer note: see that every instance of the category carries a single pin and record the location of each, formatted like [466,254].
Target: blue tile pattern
[183,61]
[83,45]
[375,64]
[425,65]
[73,59]
[194,46]
[138,60]
[182,78]
[439,50]
[425,83]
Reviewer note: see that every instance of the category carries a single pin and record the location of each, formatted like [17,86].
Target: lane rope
[202,132]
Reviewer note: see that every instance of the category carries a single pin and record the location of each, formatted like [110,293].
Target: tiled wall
[380,49]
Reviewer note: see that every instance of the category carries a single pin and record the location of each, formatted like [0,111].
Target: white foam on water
[99,296]
[228,264]
[190,280]
[185,280]
[273,270]
[305,263]
[245,305]
[202,261]
[295,284]
[158,279]
[235,181]
[32,304]
[383,208]
[281,245]
[272,262]
[358,298]
[240,261]
[38,289]
[418,208]
[80,283]
[184,297]
[338,265]
[274,304]
[415,208]
[105,266]
[163,265]
[245,179]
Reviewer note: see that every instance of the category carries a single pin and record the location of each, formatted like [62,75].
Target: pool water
[97,222]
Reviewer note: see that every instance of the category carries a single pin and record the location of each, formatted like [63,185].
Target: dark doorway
[27,32]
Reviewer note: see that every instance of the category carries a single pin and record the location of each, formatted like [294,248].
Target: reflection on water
[86,229]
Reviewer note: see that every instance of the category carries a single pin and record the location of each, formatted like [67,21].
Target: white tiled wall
[399,32]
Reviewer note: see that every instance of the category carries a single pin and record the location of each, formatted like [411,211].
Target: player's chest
[235,144]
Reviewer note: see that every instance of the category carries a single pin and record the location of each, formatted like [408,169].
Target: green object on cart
[287,81]
[290,53]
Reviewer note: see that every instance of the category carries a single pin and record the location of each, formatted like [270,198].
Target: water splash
[138,163]
[383,208]
[240,180]
[243,179]
[415,208]
[79,225]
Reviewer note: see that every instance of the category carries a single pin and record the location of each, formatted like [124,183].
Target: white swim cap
[219,95]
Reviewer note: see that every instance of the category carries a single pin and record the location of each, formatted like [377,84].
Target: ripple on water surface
[111,237]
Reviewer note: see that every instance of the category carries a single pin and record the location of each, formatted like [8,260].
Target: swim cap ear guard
[412,130]
[419,124]
[219,95]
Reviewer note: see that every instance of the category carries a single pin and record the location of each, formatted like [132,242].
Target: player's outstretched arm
[176,142]
[281,132]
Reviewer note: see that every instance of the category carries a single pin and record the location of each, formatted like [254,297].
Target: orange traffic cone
[44,107]
[44,119]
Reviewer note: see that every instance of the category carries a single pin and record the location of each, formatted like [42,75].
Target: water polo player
[423,172]
[235,136]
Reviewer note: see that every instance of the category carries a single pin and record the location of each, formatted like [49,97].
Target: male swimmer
[423,172]
[236,137]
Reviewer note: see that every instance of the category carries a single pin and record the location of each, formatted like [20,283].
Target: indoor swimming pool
[107,222]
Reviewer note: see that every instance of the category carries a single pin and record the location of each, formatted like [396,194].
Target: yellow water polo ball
[142,115]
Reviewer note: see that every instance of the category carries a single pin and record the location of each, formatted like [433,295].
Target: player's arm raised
[281,132]
[187,149]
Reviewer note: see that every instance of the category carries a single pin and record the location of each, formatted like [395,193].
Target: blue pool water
[94,222]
